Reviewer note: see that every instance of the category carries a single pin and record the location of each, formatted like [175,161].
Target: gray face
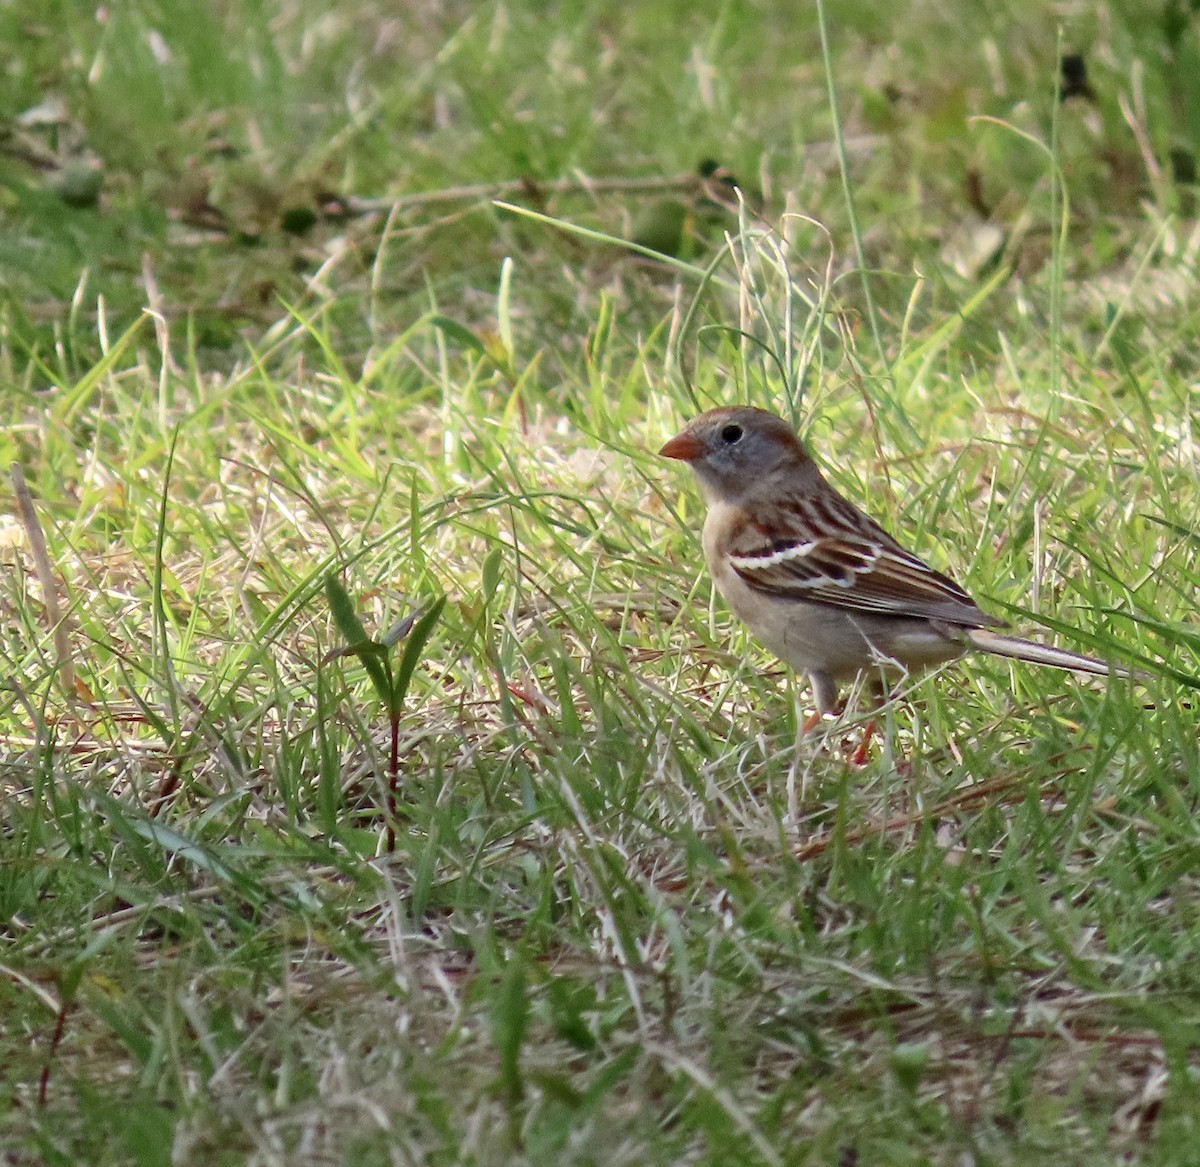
[733,450]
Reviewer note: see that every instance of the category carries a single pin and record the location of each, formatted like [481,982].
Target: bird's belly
[838,641]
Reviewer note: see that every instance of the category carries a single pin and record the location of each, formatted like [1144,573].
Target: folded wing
[853,563]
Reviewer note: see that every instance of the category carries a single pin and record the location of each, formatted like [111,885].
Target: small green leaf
[70,979]
[176,844]
[413,648]
[490,574]
[504,310]
[909,1062]
[342,607]
[373,655]
[373,648]
[459,332]
[596,348]
[510,1019]
[414,521]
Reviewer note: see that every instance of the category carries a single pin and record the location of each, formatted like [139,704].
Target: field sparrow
[821,585]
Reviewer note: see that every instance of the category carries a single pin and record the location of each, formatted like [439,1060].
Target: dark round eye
[731,434]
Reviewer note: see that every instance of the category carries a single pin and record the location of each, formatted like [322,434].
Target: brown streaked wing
[830,553]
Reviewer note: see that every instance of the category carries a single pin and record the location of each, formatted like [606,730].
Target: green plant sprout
[391,680]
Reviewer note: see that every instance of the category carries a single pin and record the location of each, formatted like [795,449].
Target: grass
[627,915]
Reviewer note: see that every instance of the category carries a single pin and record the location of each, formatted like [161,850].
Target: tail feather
[1041,654]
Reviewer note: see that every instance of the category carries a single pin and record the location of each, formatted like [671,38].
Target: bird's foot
[862,752]
[811,722]
[857,754]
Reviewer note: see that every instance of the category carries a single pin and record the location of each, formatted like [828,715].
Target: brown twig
[578,184]
[960,801]
[486,191]
[60,1025]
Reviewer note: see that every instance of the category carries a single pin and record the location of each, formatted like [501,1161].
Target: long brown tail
[1041,654]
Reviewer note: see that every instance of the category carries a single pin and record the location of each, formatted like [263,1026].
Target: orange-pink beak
[684,447]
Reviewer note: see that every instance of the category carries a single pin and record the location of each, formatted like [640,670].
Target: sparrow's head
[735,449]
